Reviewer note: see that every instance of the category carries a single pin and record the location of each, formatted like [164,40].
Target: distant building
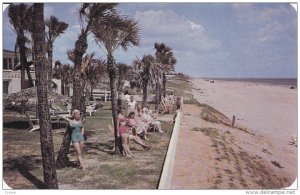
[9,60]
[12,78]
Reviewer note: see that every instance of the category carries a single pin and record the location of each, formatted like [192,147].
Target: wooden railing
[16,74]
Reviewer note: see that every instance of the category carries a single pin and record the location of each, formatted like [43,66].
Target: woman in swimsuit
[123,134]
[125,137]
[77,138]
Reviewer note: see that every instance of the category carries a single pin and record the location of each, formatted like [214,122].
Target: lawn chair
[33,122]
[165,104]
[91,109]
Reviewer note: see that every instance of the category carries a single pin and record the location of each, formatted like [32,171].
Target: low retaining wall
[167,172]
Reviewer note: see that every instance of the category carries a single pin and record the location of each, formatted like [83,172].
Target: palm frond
[113,30]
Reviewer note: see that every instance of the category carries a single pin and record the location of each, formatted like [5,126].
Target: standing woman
[77,132]
[131,105]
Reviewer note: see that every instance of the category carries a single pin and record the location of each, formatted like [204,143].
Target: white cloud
[173,29]
[194,26]
[270,35]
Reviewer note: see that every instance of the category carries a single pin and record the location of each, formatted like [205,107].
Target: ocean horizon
[271,81]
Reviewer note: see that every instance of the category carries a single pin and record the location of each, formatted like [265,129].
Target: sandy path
[193,168]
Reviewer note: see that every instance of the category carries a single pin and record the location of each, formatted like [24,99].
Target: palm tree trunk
[112,71]
[62,86]
[145,86]
[119,89]
[157,94]
[50,59]
[62,157]
[29,76]
[47,149]
[23,61]
[80,48]
[67,88]
[83,102]
[21,43]
[92,89]
[164,84]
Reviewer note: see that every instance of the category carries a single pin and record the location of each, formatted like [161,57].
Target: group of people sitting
[132,126]
[135,125]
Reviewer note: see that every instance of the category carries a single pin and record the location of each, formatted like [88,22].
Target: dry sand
[234,159]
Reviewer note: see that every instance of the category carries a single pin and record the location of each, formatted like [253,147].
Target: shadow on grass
[103,147]
[24,165]
[30,177]
[18,125]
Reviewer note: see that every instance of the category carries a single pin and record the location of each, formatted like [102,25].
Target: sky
[233,40]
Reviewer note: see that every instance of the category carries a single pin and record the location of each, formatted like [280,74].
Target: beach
[256,154]
[266,109]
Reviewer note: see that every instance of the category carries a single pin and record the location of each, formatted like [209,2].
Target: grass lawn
[22,162]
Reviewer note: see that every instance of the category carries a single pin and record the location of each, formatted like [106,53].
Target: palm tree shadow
[30,177]
[103,147]
[23,165]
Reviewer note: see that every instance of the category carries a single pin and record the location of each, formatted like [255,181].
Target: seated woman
[138,127]
[125,137]
[155,124]
[122,132]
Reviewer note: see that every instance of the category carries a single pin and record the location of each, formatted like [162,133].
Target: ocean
[271,81]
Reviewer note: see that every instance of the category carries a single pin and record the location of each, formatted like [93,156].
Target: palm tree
[113,32]
[19,15]
[47,149]
[165,56]
[96,73]
[63,72]
[85,66]
[88,13]
[149,74]
[55,29]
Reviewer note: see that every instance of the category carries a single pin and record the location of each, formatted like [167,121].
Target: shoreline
[258,81]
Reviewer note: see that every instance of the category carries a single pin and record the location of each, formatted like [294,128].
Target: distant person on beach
[178,103]
[178,107]
[77,131]
[132,104]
